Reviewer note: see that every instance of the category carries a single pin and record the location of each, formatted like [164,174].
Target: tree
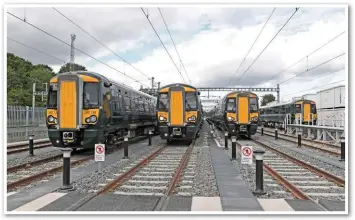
[21,74]
[267,98]
[76,67]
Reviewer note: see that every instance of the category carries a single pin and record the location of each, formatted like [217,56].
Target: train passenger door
[243,109]
[306,111]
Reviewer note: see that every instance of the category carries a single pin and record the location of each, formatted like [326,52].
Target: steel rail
[43,174]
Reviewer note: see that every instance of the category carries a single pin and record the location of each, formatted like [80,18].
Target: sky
[212,43]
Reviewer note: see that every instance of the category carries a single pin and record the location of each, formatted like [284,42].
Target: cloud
[212,43]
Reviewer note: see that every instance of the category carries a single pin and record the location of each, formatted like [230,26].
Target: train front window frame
[163,102]
[91,96]
[52,96]
[298,108]
[231,105]
[190,101]
[253,104]
[313,108]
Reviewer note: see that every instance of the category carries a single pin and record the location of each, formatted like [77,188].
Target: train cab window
[163,103]
[298,108]
[231,106]
[91,95]
[190,101]
[313,108]
[52,96]
[253,103]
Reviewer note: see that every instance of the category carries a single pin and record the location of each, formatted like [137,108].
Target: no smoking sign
[247,155]
[99,152]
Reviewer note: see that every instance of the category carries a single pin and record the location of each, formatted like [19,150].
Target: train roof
[285,103]
[101,77]
[177,84]
[240,92]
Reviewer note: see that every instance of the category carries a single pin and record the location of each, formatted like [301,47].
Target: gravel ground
[91,181]
[204,181]
[308,159]
[315,151]
[52,176]
[23,157]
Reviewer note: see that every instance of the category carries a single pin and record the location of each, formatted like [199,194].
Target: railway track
[19,176]
[166,171]
[303,180]
[326,148]
[25,147]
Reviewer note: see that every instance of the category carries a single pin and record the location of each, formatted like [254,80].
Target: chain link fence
[23,121]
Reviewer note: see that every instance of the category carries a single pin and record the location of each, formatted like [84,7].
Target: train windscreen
[52,97]
[231,106]
[253,105]
[190,101]
[91,95]
[163,103]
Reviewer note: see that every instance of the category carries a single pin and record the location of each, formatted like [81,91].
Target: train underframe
[88,137]
[179,132]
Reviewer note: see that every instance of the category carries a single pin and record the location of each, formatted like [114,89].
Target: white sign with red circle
[247,155]
[99,152]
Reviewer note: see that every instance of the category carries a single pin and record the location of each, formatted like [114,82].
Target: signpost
[247,155]
[99,154]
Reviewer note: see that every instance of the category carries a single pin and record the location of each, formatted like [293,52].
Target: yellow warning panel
[176,108]
[243,111]
[67,104]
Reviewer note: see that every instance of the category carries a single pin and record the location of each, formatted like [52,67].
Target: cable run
[306,56]
[100,42]
[74,47]
[269,42]
[231,79]
[174,45]
[163,45]
[36,49]
[314,67]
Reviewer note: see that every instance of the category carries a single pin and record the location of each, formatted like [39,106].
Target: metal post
[66,169]
[278,93]
[27,117]
[150,138]
[259,176]
[226,141]
[33,102]
[262,131]
[299,140]
[125,149]
[31,144]
[234,144]
[342,153]
[275,133]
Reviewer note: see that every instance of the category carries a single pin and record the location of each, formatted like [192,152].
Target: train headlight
[230,118]
[161,118]
[192,118]
[93,118]
[51,119]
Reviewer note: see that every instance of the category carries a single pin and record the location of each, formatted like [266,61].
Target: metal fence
[23,121]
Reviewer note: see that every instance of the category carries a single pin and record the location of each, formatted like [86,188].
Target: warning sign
[99,152]
[247,155]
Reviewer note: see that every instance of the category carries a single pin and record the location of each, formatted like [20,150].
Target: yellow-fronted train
[85,108]
[237,113]
[179,112]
